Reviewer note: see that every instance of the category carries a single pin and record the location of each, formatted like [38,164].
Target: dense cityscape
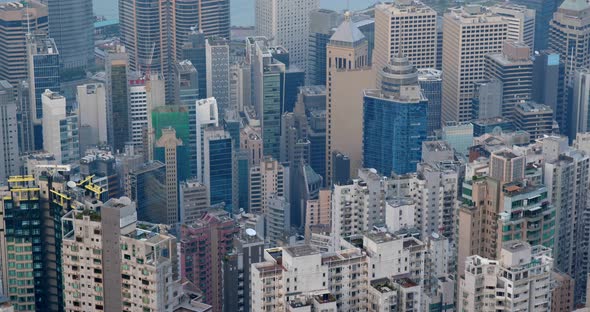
[405,157]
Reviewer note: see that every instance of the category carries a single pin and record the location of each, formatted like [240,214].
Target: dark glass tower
[544,13]
[394,120]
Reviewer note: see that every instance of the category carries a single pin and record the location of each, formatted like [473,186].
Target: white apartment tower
[54,114]
[93,114]
[471,32]
[218,72]
[406,25]
[286,23]
[144,96]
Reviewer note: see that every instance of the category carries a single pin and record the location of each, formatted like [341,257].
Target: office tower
[278,219]
[579,109]
[58,124]
[220,173]
[117,100]
[195,50]
[43,73]
[214,18]
[207,115]
[267,179]
[248,249]
[294,79]
[186,90]
[514,68]
[294,145]
[549,85]
[26,142]
[18,20]
[394,120]
[109,248]
[408,27]
[459,136]
[9,157]
[177,118]
[148,189]
[534,118]
[349,74]
[544,10]
[92,109]
[102,165]
[71,25]
[488,96]
[475,29]
[218,72]
[22,228]
[194,201]
[203,246]
[273,17]
[145,95]
[270,108]
[430,81]
[321,25]
[569,35]
[521,23]
[166,150]
[521,266]
[317,139]
[567,179]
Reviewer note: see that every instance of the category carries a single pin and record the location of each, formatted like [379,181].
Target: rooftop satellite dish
[125,200]
[71,184]
[435,235]
[251,232]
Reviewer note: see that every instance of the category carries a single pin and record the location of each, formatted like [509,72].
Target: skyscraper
[195,50]
[60,129]
[394,120]
[544,10]
[18,19]
[286,23]
[92,110]
[348,73]
[221,169]
[117,100]
[405,26]
[579,110]
[187,83]
[145,95]
[430,81]
[569,35]
[71,25]
[148,189]
[214,17]
[534,118]
[549,85]
[9,147]
[487,100]
[521,23]
[321,25]
[217,72]
[166,149]
[475,29]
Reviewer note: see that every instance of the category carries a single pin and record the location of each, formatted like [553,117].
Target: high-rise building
[521,23]
[459,135]
[204,245]
[267,179]
[194,201]
[109,247]
[103,166]
[18,19]
[217,73]
[519,266]
[26,139]
[579,110]
[214,18]
[167,149]
[207,115]
[71,25]
[544,10]
[43,73]
[475,29]
[220,173]
[408,27]
[487,100]
[349,74]
[569,35]
[144,96]
[178,118]
[430,81]
[60,129]
[534,118]
[147,188]
[92,109]
[117,100]
[549,85]
[286,23]
[514,68]
[195,50]
[394,120]
[321,25]
[9,147]
[186,90]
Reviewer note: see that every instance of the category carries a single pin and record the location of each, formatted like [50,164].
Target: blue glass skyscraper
[394,120]
[221,169]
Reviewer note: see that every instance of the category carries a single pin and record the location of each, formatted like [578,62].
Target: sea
[242,11]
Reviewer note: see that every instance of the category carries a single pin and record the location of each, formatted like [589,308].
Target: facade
[217,73]
[488,96]
[187,83]
[520,266]
[13,51]
[549,85]
[321,25]
[71,26]
[9,155]
[57,123]
[145,95]
[214,18]
[148,190]
[569,35]
[194,201]
[491,31]
[459,136]
[195,50]
[203,246]
[168,148]
[534,118]
[220,172]
[544,10]
[408,27]
[207,115]
[521,23]
[579,103]
[118,109]
[348,70]
[430,81]
[394,120]
[514,68]
[267,179]
[287,23]
[92,109]
[177,118]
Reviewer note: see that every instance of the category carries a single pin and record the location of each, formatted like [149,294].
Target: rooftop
[532,107]
[301,251]
[347,32]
